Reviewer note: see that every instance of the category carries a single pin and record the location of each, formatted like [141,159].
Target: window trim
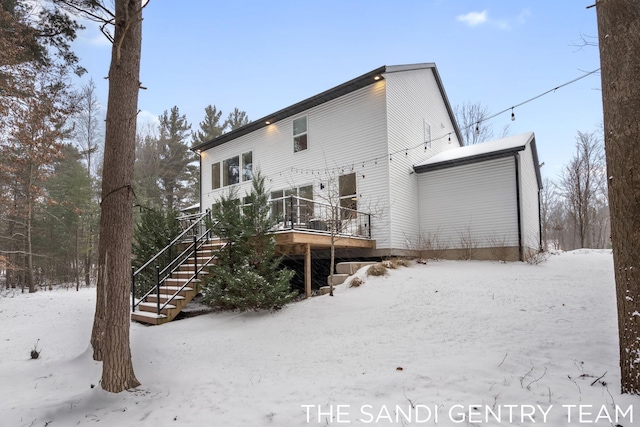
[427,134]
[243,166]
[305,133]
[213,177]
[351,198]
[226,169]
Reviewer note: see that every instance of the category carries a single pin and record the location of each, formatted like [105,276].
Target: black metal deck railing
[298,213]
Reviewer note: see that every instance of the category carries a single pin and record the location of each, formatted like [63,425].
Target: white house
[387,145]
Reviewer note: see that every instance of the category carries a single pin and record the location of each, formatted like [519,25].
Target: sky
[264,56]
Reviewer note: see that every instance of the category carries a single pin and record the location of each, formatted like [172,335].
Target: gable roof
[326,96]
[484,151]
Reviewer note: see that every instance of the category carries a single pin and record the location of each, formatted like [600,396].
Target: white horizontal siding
[345,135]
[529,200]
[412,98]
[480,198]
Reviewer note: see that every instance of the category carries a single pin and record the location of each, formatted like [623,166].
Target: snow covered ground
[449,343]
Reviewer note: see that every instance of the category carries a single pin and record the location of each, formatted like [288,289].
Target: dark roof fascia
[448,105]
[452,115]
[469,160]
[321,98]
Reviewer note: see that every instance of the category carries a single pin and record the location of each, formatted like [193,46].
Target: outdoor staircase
[343,271]
[178,281]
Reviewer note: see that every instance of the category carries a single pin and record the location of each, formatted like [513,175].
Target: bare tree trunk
[618,29]
[112,322]
[29,272]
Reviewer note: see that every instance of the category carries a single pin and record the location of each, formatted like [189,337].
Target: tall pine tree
[236,119]
[248,275]
[210,127]
[174,155]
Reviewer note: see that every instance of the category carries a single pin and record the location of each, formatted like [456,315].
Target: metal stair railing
[146,271]
[198,243]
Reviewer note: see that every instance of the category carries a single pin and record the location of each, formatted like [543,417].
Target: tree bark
[29,271]
[112,321]
[619,41]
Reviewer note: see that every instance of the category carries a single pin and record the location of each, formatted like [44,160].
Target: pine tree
[236,119]
[59,232]
[175,155]
[210,127]
[248,275]
[154,230]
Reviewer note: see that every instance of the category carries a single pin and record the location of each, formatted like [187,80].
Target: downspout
[540,248]
[517,163]
[200,182]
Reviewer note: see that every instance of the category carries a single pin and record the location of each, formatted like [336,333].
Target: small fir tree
[153,231]
[248,274]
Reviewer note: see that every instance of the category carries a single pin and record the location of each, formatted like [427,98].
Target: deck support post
[307,270]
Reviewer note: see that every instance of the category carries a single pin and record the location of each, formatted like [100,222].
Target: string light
[448,135]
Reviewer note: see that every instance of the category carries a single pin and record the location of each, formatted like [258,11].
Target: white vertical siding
[529,200]
[412,98]
[347,134]
[478,197]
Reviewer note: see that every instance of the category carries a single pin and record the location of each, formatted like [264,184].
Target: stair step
[164,298]
[186,273]
[165,289]
[150,315]
[179,280]
[148,318]
[338,279]
[152,306]
[324,290]
[352,266]
[176,290]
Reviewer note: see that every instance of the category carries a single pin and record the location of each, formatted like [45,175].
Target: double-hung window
[247,166]
[348,196]
[300,134]
[215,176]
[231,171]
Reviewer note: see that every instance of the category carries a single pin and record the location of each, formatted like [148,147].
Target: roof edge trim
[469,160]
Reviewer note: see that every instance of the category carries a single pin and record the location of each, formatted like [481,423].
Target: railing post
[195,257]
[158,287]
[369,221]
[291,210]
[169,254]
[133,290]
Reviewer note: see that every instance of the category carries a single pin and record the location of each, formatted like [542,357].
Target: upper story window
[215,176]
[231,171]
[300,134]
[247,166]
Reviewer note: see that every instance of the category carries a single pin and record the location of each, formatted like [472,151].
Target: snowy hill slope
[448,343]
